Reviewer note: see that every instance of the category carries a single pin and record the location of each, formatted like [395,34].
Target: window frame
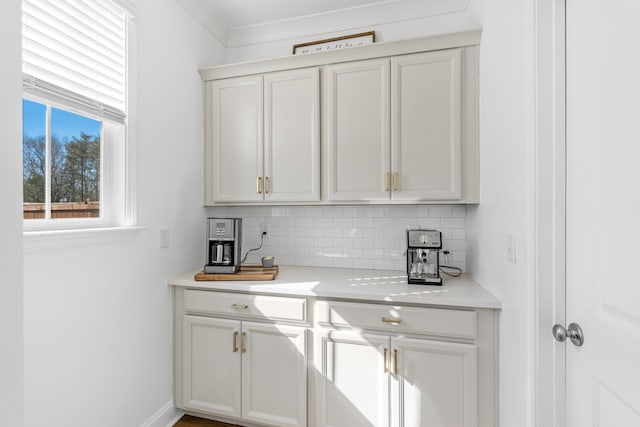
[118,209]
[107,141]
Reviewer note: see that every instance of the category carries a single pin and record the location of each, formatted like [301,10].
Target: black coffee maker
[224,238]
[423,257]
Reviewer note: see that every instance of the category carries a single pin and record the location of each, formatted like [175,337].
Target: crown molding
[307,27]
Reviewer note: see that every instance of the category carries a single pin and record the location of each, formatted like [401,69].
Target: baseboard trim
[166,416]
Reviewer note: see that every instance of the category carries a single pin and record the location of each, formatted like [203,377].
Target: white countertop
[354,284]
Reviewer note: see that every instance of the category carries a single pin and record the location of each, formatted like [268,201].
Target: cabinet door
[233,148]
[436,384]
[426,124]
[292,136]
[211,365]
[274,374]
[352,379]
[356,102]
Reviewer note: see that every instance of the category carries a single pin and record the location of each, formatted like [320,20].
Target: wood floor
[189,421]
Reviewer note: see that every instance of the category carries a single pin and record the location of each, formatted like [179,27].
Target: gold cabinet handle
[235,342]
[239,306]
[266,185]
[259,185]
[386,369]
[395,181]
[391,321]
[395,361]
[242,344]
[386,181]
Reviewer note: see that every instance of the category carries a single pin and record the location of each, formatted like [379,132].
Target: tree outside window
[63,164]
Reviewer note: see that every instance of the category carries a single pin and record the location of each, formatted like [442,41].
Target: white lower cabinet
[352,380]
[211,370]
[433,383]
[370,380]
[253,372]
[245,358]
[274,374]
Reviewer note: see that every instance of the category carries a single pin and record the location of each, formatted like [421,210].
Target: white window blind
[76,50]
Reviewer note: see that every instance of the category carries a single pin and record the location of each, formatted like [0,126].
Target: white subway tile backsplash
[452,222]
[459,211]
[343,222]
[373,233]
[304,222]
[333,211]
[342,243]
[459,234]
[313,232]
[363,222]
[363,243]
[353,233]
[301,241]
[372,212]
[323,222]
[370,237]
[322,242]
[333,232]
[440,211]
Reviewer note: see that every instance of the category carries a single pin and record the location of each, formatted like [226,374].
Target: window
[75,114]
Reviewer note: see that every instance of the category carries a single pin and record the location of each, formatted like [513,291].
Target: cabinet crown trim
[376,50]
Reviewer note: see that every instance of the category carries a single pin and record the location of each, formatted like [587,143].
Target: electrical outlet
[164,237]
[264,230]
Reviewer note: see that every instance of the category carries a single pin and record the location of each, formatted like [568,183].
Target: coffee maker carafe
[423,257]
[224,237]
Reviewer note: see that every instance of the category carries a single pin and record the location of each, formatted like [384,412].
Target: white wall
[11,336]
[97,325]
[506,165]
[469,19]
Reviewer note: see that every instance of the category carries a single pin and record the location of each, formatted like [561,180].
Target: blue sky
[64,124]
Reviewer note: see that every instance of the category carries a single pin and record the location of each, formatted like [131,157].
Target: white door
[234,134]
[292,136]
[434,383]
[426,126]
[356,130]
[352,379]
[274,374]
[603,202]
[211,365]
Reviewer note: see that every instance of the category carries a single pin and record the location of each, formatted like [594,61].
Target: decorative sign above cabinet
[353,40]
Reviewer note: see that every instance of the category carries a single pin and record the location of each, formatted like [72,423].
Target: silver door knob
[573,332]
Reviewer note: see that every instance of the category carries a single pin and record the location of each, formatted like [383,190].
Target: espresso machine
[224,238]
[423,257]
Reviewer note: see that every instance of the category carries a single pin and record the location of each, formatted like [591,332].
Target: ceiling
[242,22]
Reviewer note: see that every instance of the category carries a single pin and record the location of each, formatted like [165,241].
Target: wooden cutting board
[246,272]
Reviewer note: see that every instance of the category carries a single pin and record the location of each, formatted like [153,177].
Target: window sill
[36,241]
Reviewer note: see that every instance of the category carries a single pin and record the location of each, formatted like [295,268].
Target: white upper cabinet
[233,147]
[262,138]
[291,136]
[426,128]
[356,120]
[393,129]
[399,125]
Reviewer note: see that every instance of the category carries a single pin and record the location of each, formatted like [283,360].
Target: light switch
[511,248]
[164,237]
